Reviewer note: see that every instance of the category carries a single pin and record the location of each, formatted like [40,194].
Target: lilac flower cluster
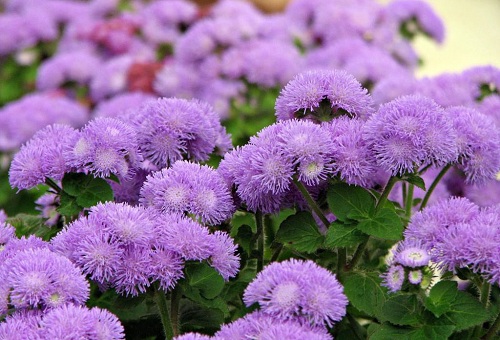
[34,279]
[459,234]
[297,300]
[64,322]
[189,188]
[409,259]
[129,146]
[21,119]
[128,248]
[283,291]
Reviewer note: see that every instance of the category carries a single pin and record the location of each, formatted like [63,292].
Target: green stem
[357,254]
[161,302]
[484,298]
[276,253]
[433,186]
[50,182]
[409,200]
[492,332]
[259,219]
[387,190]
[311,202]
[175,299]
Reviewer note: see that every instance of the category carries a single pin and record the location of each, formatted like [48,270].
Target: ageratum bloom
[77,322]
[477,138]
[105,146]
[40,278]
[259,325]
[189,188]
[352,160]
[298,290]
[43,156]
[394,278]
[21,119]
[410,253]
[426,223]
[21,325]
[263,170]
[410,132]
[193,241]
[172,129]
[416,15]
[322,96]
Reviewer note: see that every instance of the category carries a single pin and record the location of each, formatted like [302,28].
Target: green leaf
[26,225]
[426,332]
[466,311]
[349,202]
[441,297]
[364,291]
[206,279]
[87,189]
[386,224]
[343,235]
[194,317]
[67,205]
[402,310]
[415,180]
[300,232]
[244,238]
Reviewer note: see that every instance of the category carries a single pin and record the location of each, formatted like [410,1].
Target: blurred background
[472,34]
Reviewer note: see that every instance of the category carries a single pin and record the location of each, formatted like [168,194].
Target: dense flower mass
[323,95]
[172,129]
[459,234]
[284,292]
[410,132]
[189,188]
[220,170]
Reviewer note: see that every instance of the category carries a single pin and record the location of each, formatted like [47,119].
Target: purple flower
[39,278]
[415,276]
[47,205]
[322,96]
[449,89]
[393,86]
[106,146]
[76,66]
[394,277]
[224,258]
[490,106]
[192,336]
[260,325]
[111,78]
[417,15]
[352,160]
[172,129]
[410,253]
[77,322]
[486,78]
[43,156]
[21,325]
[21,119]
[122,106]
[294,290]
[164,23]
[191,188]
[425,224]
[266,63]
[477,139]
[409,132]
[484,195]
[186,237]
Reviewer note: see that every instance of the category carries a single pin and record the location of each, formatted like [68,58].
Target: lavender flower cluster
[43,294]
[141,98]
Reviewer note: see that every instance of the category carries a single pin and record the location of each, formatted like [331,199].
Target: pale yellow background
[472,36]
